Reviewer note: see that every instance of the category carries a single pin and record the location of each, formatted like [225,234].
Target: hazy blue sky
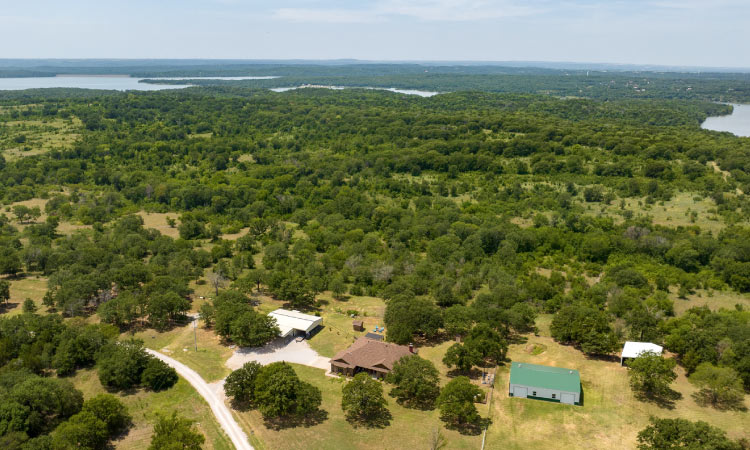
[669,32]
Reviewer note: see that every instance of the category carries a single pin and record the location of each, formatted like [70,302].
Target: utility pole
[195,332]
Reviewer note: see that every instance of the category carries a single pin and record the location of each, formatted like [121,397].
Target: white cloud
[325,15]
[423,10]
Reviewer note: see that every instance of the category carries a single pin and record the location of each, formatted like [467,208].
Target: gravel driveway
[212,394]
[279,350]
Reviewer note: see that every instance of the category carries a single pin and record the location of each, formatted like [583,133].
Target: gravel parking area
[280,350]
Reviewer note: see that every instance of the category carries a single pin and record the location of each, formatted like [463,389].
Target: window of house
[553,395]
[533,393]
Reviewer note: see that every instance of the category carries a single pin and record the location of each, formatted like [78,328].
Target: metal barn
[544,382]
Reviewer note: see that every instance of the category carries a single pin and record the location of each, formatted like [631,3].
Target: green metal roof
[547,377]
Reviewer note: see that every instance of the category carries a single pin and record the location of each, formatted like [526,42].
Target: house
[295,323]
[544,382]
[377,337]
[368,355]
[635,349]
[358,325]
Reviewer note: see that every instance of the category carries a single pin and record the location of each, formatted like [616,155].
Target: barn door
[521,392]
[570,399]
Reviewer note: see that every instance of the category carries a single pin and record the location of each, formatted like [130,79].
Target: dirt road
[220,410]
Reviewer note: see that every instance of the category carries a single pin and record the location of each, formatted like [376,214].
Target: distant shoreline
[68,75]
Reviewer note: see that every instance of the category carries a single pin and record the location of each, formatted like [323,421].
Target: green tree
[165,307]
[280,393]
[456,403]
[665,434]
[406,317]
[110,410]
[651,375]
[4,291]
[458,320]
[461,356]
[207,314]
[120,366]
[585,326]
[29,307]
[363,402]
[720,387]
[240,384]
[416,382]
[175,433]
[337,287]
[157,375]
[252,329]
[10,262]
[487,343]
[83,430]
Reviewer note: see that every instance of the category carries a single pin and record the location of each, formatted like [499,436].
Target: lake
[126,83]
[338,88]
[737,123]
[115,83]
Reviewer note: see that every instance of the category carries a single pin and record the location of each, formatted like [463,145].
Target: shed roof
[547,377]
[377,337]
[294,320]
[634,349]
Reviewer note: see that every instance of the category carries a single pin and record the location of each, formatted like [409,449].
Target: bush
[158,376]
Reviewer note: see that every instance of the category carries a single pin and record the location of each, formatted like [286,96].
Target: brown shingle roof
[371,354]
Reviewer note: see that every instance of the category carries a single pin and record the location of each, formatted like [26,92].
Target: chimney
[411,347]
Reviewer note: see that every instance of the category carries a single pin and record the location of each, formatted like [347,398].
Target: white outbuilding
[635,349]
[295,323]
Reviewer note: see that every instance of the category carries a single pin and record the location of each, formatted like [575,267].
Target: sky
[709,33]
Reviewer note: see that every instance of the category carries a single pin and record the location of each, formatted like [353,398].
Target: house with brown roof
[368,355]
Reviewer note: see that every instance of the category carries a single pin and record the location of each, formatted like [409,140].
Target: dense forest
[469,213]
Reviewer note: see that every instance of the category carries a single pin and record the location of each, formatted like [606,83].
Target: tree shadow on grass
[703,398]
[307,420]
[8,306]
[381,420]
[665,400]
[469,429]
[473,374]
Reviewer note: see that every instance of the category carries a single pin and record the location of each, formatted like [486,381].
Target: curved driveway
[220,410]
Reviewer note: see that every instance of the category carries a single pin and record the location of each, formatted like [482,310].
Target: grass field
[144,406]
[610,416]
[32,287]
[715,300]
[673,213]
[41,136]
[65,228]
[158,221]
[179,343]
[409,429]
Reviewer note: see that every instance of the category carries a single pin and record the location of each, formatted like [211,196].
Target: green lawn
[143,406]
[409,429]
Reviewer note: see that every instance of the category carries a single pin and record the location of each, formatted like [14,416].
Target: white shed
[293,323]
[635,349]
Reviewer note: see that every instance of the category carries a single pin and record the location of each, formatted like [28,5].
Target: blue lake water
[338,88]
[737,123]
[126,83]
[116,83]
